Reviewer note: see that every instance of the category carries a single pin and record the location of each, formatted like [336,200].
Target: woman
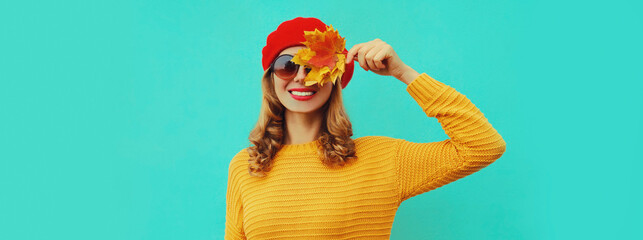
[304,177]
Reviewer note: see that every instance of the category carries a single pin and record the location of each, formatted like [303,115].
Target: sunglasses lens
[284,68]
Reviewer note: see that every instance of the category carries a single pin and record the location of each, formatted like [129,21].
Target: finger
[351,53]
[361,56]
[371,65]
[380,56]
[369,57]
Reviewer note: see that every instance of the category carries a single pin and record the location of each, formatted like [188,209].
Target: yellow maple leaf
[323,55]
[303,56]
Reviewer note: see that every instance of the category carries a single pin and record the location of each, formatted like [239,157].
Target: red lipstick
[302,98]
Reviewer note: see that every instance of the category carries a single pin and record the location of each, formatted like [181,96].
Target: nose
[301,74]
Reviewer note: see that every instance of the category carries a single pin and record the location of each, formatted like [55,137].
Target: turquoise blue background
[119,118]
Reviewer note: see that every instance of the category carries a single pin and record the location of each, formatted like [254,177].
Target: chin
[293,105]
[302,109]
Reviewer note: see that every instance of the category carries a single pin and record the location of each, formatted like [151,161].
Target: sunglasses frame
[272,67]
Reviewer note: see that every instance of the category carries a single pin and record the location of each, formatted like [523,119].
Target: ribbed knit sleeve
[234,206]
[473,143]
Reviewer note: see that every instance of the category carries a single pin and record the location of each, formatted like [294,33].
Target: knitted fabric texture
[301,198]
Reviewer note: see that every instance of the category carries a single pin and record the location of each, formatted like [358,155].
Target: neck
[302,127]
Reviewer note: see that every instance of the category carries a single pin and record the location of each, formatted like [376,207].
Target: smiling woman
[304,177]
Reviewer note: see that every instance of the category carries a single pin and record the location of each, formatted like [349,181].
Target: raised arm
[472,145]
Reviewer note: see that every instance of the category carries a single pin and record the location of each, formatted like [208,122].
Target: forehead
[292,50]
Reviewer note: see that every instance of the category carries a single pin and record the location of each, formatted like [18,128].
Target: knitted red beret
[291,33]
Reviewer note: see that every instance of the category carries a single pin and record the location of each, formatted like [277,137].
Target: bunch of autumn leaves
[323,55]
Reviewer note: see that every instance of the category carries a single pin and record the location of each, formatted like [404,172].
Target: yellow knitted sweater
[301,198]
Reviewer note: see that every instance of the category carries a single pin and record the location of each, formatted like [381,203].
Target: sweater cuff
[425,89]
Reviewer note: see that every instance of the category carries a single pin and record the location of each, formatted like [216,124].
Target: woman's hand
[380,58]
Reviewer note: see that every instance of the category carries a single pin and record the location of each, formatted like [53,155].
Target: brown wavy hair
[336,146]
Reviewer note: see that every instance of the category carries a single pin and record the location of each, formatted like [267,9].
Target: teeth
[302,93]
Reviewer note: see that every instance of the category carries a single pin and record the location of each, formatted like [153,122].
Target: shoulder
[239,161]
[369,143]
[241,154]
[375,140]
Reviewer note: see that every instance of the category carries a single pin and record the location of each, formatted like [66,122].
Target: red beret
[291,33]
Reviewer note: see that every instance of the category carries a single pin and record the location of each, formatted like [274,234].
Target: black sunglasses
[284,68]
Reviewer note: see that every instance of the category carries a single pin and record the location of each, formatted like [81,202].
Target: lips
[302,94]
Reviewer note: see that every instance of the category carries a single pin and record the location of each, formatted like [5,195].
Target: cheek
[326,90]
[280,85]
